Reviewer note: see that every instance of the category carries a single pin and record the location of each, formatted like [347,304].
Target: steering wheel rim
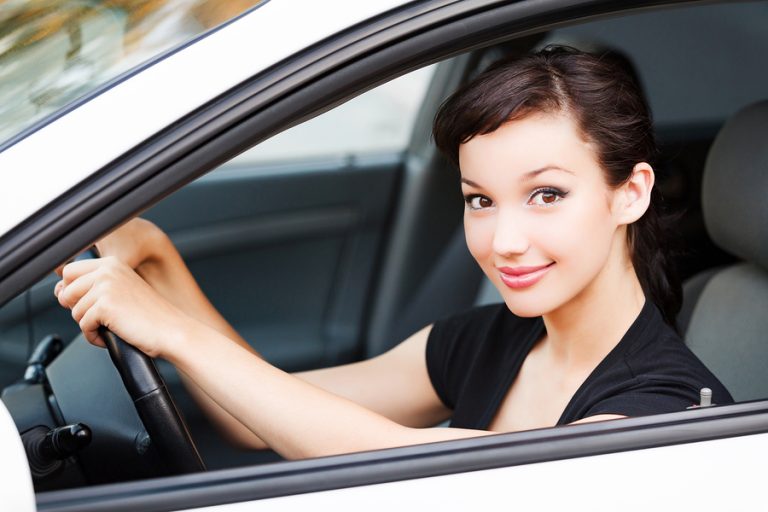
[156,409]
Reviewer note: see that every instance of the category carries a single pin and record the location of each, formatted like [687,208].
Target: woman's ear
[632,199]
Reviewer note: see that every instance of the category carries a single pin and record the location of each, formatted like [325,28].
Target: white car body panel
[682,477]
[84,140]
[16,491]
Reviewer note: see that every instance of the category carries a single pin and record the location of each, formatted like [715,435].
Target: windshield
[53,52]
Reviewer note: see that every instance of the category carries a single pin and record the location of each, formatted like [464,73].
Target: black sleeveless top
[473,359]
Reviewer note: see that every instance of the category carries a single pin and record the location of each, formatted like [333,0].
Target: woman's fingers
[77,291]
[90,323]
[72,271]
[131,243]
[107,292]
[69,294]
[83,305]
[79,277]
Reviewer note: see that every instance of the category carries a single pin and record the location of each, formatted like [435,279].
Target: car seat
[724,318]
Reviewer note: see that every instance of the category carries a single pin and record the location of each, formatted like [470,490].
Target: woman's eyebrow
[525,177]
[532,174]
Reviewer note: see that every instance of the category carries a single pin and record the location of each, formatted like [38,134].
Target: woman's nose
[509,236]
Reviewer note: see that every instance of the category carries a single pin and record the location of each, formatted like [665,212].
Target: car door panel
[679,483]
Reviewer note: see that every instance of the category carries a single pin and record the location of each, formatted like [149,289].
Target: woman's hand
[135,243]
[138,243]
[108,292]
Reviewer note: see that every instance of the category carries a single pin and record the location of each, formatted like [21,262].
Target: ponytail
[650,247]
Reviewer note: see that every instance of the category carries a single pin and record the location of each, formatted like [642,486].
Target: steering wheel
[154,405]
[118,394]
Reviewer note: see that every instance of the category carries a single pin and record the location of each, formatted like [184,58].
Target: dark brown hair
[601,93]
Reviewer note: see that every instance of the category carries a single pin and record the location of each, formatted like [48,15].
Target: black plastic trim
[503,450]
[416,34]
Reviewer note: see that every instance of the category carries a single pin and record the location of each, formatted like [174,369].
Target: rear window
[53,52]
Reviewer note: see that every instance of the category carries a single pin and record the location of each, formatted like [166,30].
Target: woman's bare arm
[150,252]
[394,384]
[295,417]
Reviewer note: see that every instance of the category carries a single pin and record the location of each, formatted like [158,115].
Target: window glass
[379,120]
[53,52]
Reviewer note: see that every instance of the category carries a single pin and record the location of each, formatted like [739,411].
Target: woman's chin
[529,305]
[525,310]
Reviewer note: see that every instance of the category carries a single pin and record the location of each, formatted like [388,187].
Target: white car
[256,133]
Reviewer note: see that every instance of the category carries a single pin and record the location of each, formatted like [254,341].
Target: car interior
[330,243]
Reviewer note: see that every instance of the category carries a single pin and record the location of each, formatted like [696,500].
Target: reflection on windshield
[55,51]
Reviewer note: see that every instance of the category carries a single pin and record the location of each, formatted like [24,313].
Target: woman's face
[539,216]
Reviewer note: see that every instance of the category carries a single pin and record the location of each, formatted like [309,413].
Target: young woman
[554,153]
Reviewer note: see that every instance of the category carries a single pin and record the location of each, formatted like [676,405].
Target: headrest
[735,185]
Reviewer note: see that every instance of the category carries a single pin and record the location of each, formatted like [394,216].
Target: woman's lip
[523,277]
[520,271]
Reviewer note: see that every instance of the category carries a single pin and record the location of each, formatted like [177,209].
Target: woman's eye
[477,202]
[546,197]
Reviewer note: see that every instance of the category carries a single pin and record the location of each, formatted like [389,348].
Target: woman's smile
[523,277]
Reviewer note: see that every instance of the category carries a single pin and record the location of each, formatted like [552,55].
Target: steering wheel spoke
[154,405]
